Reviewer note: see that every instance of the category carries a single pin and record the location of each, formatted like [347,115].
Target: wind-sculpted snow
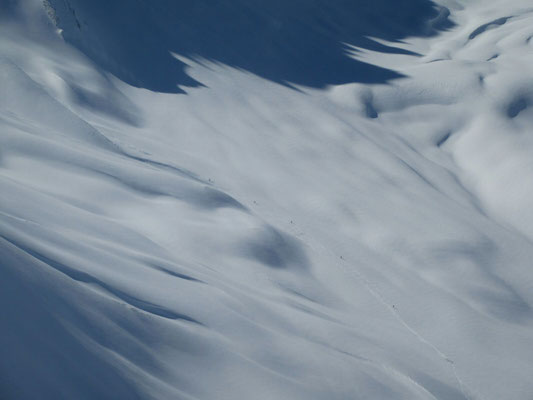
[370,239]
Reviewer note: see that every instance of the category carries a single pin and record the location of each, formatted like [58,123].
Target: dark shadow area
[300,42]
[42,358]
[487,26]
[7,9]
[517,106]
[275,249]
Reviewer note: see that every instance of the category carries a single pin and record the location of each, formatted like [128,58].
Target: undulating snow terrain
[266,199]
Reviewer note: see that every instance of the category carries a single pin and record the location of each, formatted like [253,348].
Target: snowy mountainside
[298,41]
[334,204]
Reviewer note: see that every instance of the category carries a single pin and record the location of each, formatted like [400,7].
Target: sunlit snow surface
[244,237]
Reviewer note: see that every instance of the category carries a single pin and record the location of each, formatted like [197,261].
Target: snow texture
[266,199]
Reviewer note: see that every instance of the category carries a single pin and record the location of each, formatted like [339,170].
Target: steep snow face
[258,237]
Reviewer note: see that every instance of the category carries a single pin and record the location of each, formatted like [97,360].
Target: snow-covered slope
[213,200]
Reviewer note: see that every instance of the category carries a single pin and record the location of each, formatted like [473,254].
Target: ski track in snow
[362,230]
[351,269]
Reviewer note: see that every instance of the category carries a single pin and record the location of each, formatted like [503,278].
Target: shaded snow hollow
[266,199]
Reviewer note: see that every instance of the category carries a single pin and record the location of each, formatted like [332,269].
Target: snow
[185,215]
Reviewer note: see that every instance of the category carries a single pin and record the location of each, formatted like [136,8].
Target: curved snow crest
[293,43]
[253,241]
